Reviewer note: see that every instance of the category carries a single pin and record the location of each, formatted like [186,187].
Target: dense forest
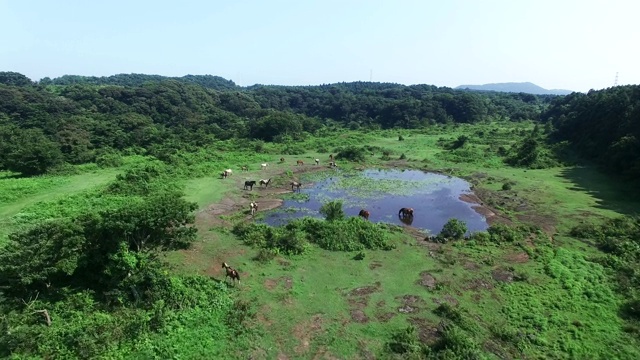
[603,126]
[74,119]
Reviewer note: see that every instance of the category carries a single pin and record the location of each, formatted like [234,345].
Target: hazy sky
[557,44]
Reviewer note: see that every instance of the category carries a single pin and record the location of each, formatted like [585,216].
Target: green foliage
[332,210]
[507,186]
[405,341]
[352,153]
[454,229]
[32,153]
[350,234]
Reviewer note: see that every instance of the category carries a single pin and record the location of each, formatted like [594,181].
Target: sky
[556,44]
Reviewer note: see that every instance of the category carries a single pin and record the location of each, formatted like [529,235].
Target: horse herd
[228,172]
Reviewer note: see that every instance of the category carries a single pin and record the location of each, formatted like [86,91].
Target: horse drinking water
[405,212]
[364,213]
[249,184]
[231,273]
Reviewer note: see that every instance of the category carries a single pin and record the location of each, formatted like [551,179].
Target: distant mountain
[524,87]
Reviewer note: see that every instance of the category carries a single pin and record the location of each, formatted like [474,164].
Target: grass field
[537,298]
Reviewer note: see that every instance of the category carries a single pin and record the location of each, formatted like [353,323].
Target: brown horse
[231,272]
[299,163]
[295,184]
[405,213]
[364,213]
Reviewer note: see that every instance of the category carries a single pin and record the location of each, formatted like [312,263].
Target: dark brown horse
[231,272]
[405,213]
[249,184]
[299,163]
[295,184]
[364,213]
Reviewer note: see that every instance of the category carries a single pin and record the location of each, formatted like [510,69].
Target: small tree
[332,210]
[454,229]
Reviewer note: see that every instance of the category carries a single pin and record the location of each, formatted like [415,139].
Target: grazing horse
[231,272]
[263,166]
[265,182]
[224,174]
[299,162]
[253,207]
[249,184]
[317,161]
[245,168]
[295,184]
[229,172]
[281,160]
[364,213]
[405,213]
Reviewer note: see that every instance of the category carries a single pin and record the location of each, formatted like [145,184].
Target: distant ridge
[524,87]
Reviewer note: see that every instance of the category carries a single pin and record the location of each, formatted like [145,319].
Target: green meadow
[535,293]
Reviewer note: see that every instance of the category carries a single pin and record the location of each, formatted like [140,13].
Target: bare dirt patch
[517,257]
[427,280]
[446,299]
[359,316]
[428,332]
[502,275]
[470,265]
[365,290]
[375,265]
[478,284]
[410,303]
[306,331]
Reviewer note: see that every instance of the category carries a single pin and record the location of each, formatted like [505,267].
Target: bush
[332,210]
[506,186]
[352,153]
[454,229]
[109,160]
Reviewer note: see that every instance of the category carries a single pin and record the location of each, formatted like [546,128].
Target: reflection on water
[434,198]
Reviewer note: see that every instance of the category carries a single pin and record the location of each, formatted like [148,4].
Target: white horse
[254,207]
[264,166]
[229,172]
[317,161]
[265,182]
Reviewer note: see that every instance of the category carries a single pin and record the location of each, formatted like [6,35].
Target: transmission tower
[615,83]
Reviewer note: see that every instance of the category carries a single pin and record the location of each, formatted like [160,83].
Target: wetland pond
[435,198]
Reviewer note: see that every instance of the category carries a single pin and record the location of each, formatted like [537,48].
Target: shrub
[352,153]
[454,229]
[403,156]
[109,160]
[332,210]
[506,186]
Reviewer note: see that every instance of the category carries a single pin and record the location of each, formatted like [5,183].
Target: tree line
[75,119]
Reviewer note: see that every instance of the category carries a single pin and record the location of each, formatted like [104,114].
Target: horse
[249,184]
[265,182]
[263,166]
[332,164]
[364,213]
[299,162]
[295,184]
[317,161]
[253,207]
[245,168]
[231,272]
[405,213]
[224,174]
[331,157]
[229,172]
[281,160]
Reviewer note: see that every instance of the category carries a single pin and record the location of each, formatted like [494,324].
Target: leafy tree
[32,153]
[332,210]
[454,229]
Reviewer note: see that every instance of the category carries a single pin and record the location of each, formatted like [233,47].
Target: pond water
[434,198]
